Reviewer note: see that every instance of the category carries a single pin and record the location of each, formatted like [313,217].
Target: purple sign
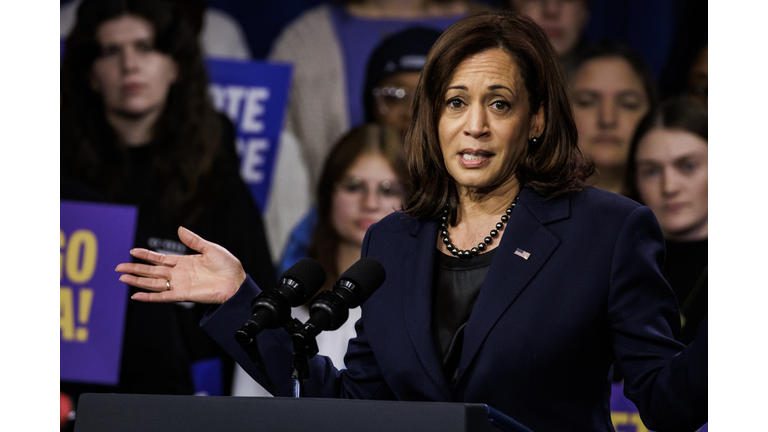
[95,238]
[254,96]
[624,413]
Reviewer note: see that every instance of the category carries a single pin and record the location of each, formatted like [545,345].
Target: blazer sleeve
[361,380]
[666,380]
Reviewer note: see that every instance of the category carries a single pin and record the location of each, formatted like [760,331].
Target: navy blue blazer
[543,333]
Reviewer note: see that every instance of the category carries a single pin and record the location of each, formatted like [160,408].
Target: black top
[456,287]
[162,341]
[685,268]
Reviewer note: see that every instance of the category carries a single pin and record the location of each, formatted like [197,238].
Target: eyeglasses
[392,98]
[355,187]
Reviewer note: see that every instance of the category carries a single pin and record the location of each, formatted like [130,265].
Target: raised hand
[213,276]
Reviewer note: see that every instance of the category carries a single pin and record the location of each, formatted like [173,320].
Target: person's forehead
[670,144]
[371,166]
[604,72]
[124,29]
[491,64]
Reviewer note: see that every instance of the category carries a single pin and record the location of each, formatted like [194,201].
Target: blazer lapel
[510,273]
[418,269]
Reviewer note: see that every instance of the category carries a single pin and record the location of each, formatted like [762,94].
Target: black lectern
[124,413]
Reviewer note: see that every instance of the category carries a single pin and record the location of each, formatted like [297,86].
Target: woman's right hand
[213,276]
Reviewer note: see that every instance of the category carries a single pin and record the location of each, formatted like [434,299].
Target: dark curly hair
[188,133]
[554,168]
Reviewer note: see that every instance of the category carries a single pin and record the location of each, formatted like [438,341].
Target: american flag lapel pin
[521,253]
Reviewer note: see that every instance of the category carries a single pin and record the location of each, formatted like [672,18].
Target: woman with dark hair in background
[361,182]
[138,128]
[509,281]
[612,89]
[668,173]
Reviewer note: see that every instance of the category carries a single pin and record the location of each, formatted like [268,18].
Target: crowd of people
[572,119]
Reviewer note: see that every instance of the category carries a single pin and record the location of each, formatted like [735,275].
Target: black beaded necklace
[480,246]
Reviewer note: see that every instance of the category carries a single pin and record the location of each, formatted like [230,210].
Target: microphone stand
[304,348]
[249,345]
[332,309]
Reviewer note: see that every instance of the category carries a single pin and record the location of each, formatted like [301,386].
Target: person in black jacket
[668,172]
[138,128]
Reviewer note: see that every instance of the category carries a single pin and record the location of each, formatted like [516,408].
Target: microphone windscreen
[308,273]
[367,274]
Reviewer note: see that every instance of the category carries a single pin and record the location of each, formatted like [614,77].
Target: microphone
[272,308]
[330,309]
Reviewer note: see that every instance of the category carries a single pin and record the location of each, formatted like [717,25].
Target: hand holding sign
[213,276]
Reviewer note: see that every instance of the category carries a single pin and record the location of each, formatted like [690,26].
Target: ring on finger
[168,285]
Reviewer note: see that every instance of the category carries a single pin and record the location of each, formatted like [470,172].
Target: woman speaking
[509,281]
